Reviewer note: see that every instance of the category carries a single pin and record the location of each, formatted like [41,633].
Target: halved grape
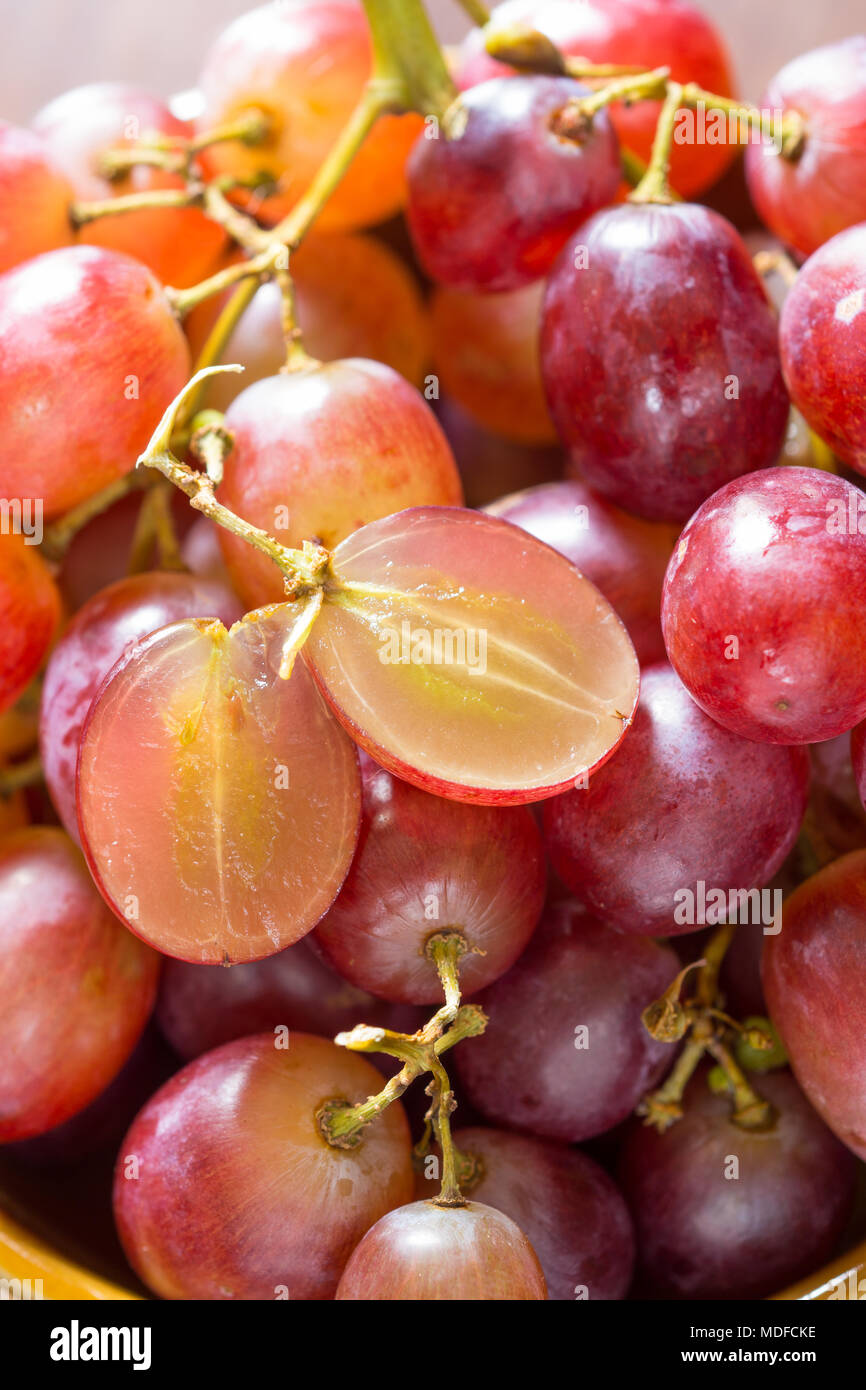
[471,659]
[218,804]
[108,625]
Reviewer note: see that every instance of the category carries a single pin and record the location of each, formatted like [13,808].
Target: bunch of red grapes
[506,671]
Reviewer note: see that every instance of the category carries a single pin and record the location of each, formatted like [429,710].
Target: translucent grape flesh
[471,659]
[218,803]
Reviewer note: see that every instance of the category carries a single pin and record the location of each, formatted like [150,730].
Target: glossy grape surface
[35,198]
[571,1211]
[641,33]
[703,1232]
[235,1194]
[625,557]
[426,1252]
[304,66]
[684,803]
[106,627]
[823,342]
[423,866]
[325,450]
[495,196]
[763,609]
[29,614]
[485,350]
[469,658]
[76,988]
[79,407]
[810,197]
[677,288]
[814,983]
[565,1054]
[218,803]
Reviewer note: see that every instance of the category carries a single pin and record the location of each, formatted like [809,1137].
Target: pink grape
[425,866]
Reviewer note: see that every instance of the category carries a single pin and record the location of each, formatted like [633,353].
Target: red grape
[709,1229]
[470,659]
[29,614]
[495,196]
[678,290]
[218,804]
[485,350]
[815,988]
[304,66]
[424,866]
[625,557]
[490,465]
[76,988]
[35,198]
[354,297]
[180,245]
[642,33]
[823,341]
[425,1252]
[565,1054]
[102,631]
[321,451]
[103,1123]
[684,802]
[91,355]
[821,188]
[200,1007]
[764,607]
[572,1212]
[226,1189]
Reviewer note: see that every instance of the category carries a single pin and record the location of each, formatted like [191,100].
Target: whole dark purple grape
[722,1212]
[565,1054]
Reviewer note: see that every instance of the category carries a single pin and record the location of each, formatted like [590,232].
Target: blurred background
[50,45]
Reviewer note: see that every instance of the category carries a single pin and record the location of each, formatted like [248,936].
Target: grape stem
[155,528]
[16,776]
[81,213]
[776,263]
[654,187]
[60,534]
[442,1108]
[175,154]
[662,1108]
[707,1029]
[342,1124]
[303,570]
[478,13]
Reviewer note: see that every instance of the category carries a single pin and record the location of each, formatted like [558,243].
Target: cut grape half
[218,804]
[471,659]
